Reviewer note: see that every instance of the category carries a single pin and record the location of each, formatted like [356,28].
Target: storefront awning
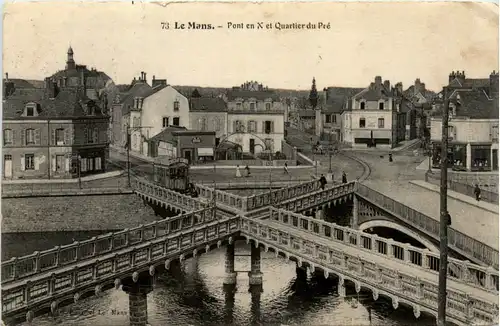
[205,152]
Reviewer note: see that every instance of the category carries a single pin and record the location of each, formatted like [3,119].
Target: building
[472,126]
[209,114]
[335,101]
[417,103]
[53,133]
[173,142]
[162,107]
[373,118]
[127,100]
[255,118]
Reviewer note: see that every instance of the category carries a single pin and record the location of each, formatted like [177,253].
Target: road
[339,163]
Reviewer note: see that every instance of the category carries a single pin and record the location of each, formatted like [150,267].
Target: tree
[195,93]
[313,95]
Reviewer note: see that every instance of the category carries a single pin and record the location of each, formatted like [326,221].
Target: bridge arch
[392,225]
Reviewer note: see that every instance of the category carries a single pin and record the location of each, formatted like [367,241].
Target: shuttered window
[30,136]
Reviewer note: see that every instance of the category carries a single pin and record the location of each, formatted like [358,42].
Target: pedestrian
[238,172]
[286,168]
[477,192]
[344,177]
[323,182]
[390,157]
[448,218]
[248,170]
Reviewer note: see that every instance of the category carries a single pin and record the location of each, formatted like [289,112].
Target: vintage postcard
[330,163]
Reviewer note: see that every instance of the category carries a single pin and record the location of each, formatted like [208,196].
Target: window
[165,122]
[60,136]
[90,136]
[494,133]
[252,106]
[268,106]
[176,106]
[30,110]
[83,164]
[7,137]
[176,121]
[381,106]
[216,124]
[362,123]
[381,122]
[202,124]
[59,162]
[29,162]
[268,127]
[30,136]
[362,105]
[238,106]
[269,143]
[98,163]
[328,118]
[252,126]
[90,163]
[334,118]
[451,132]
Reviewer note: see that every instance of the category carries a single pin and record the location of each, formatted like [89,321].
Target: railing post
[390,248]
[57,255]
[406,253]
[37,261]
[14,268]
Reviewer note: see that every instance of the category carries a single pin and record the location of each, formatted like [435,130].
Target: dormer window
[381,105]
[268,106]
[362,105]
[238,106]
[252,106]
[176,105]
[30,110]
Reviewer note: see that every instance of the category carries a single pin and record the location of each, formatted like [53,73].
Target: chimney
[451,77]
[154,79]
[6,76]
[387,84]
[145,78]
[378,80]
[494,84]
[52,91]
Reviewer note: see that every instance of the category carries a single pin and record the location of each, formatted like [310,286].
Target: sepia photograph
[239,163]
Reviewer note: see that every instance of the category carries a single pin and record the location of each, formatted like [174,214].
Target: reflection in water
[192,294]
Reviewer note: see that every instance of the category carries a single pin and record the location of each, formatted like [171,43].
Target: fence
[430,226]
[465,185]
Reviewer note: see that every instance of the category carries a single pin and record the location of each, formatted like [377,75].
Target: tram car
[172,174]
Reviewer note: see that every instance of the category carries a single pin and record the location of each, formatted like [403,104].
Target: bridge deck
[469,219]
[397,265]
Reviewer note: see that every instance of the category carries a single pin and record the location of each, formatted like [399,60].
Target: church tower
[70,62]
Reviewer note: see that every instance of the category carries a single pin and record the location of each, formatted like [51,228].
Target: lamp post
[79,172]
[330,171]
[443,232]
[128,149]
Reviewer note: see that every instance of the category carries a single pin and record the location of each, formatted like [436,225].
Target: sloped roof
[69,103]
[24,83]
[474,104]
[138,90]
[373,92]
[470,83]
[337,96]
[412,93]
[245,94]
[207,104]
[166,134]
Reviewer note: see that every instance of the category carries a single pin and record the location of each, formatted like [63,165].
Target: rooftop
[207,104]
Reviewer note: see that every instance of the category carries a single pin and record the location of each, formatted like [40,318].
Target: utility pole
[330,171]
[270,177]
[443,229]
[128,155]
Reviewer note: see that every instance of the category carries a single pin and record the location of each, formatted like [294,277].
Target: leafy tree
[313,95]
[196,93]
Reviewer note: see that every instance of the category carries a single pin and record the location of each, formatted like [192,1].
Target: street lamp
[128,148]
[330,171]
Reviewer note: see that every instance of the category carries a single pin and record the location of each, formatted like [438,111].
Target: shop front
[88,161]
[480,157]
[456,155]
[195,146]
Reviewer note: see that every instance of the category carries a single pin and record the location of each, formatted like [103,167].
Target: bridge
[44,281]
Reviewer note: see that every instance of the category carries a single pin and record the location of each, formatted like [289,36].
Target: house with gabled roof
[473,124]
[255,117]
[373,117]
[53,133]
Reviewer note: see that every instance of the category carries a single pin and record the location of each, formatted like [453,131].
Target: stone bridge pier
[137,287]
[255,275]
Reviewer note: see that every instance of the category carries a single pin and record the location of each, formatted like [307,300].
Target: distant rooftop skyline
[398,41]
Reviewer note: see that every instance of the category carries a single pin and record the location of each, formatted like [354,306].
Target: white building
[472,128]
[255,118]
[371,118]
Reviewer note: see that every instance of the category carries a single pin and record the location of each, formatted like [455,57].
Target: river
[197,297]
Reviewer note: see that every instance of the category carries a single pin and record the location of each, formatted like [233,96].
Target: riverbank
[79,213]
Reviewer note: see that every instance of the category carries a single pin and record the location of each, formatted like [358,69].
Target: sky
[398,41]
